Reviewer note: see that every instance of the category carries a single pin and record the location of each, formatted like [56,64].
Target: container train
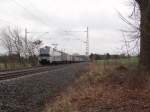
[48,55]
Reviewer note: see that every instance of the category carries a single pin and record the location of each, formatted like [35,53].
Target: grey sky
[57,16]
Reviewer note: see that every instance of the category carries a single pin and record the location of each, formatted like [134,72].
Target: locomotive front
[45,56]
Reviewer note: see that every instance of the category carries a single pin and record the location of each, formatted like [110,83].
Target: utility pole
[26,42]
[26,36]
[87,42]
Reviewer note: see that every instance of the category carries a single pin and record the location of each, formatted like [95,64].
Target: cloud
[57,16]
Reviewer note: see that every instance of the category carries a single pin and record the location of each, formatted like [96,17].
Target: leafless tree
[15,43]
[131,37]
[144,8]
[142,31]
[34,46]
[33,49]
[16,36]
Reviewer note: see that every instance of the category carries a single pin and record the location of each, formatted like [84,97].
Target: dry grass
[106,89]
[13,66]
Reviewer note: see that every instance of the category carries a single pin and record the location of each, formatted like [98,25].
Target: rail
[19,73]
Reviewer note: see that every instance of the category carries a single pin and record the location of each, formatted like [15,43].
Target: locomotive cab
[44,56]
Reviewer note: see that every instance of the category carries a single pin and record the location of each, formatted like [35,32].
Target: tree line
[140,30]
[107,56]
[20,50]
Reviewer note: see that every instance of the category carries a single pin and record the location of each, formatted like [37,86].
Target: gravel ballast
[29,93]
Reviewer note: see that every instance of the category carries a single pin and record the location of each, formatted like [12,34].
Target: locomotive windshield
[47,55]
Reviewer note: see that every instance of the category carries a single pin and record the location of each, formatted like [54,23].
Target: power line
[31,13]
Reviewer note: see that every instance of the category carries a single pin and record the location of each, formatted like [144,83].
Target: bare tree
[33,49]
[144,7]
[17,44]
[131,37]
[12,41]
[16,36]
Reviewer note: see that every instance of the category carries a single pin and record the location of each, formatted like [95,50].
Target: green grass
[124,61]
[13,66]
[130,61]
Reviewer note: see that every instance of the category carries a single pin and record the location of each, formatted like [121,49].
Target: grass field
[13,66]
[125,61]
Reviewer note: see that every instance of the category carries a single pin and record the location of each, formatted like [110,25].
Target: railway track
[19,73]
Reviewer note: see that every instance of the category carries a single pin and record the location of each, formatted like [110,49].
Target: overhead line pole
[26,42]
[26,45]
[26,36]
[87,40]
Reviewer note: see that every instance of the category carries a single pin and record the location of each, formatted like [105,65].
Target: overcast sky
[59,16]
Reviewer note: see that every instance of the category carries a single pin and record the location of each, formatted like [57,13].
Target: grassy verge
[13,66]
[106,88]
[123,61]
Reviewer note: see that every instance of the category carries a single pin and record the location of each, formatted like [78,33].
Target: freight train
[48,55]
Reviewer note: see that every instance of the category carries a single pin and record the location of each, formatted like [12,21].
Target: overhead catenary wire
[31,13]
[87,39]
